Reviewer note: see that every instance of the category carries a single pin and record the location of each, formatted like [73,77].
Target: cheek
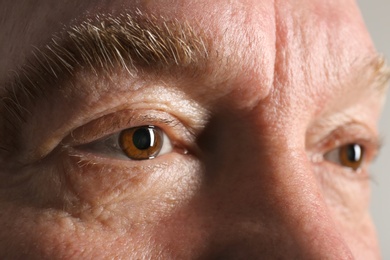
[100,212]
[362,239]
[346,193]
[125,195]
[49,234]
[348,199]
[35,186]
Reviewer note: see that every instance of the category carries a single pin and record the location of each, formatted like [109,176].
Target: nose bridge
[264,178]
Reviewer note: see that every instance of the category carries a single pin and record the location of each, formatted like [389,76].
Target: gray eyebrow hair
[131,40]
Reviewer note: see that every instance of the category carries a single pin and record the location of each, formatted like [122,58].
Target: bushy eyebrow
[131,41]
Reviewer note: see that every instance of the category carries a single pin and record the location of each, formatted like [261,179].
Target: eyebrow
[133,41]
[380,73]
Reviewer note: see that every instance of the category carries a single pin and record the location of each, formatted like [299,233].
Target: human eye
[351,156]
[135,143]
[130,135]
[350,149]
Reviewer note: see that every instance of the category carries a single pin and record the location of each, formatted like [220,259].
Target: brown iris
[351,155]
[141,143]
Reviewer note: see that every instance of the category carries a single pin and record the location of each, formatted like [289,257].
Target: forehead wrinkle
[132,41]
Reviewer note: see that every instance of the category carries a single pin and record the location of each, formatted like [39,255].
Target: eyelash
[100,138]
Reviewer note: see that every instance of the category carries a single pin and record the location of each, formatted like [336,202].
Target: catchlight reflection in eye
[349,155]
[141,143]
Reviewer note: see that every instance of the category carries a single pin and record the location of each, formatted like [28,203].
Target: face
[187,129]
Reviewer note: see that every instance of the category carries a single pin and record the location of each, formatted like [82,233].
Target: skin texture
[285,83]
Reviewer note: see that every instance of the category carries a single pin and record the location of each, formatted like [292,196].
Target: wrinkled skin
[287,83]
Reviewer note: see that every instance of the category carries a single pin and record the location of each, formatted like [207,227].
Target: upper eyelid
[352,132]
[117,121]
[352,129]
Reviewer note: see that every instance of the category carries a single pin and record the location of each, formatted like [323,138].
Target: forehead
[252,42]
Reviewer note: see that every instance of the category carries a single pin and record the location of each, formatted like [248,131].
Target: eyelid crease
[115,122]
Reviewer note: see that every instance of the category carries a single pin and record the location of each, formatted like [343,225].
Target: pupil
[354,152]
[142,138]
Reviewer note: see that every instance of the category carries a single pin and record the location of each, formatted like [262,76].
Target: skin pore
[256,100]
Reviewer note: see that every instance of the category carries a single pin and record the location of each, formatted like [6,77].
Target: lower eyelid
[92,177]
